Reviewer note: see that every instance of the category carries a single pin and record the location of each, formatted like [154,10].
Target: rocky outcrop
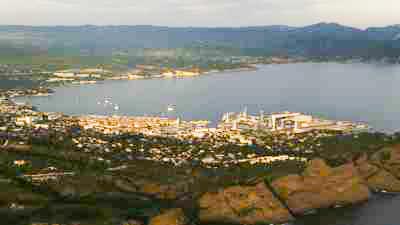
[170,217]
[123,185]
[74,187]
[83,186]
[388,159]
[162,191]
[321,186]
[132,222]
[152,188]
[377,178]
[242,205]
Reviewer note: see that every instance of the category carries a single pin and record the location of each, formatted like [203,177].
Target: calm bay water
[380,210]
[357,92]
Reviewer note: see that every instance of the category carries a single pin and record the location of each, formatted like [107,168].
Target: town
[232,125]
[239,138]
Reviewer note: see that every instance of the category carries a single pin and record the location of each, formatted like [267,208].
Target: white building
[64,74]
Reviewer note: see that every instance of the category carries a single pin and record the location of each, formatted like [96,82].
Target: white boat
[171,108]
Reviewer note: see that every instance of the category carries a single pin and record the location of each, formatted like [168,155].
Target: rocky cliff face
[382,170]
[82,186]
[170,217]
[376,177]
[388,159]
[321,186]
[77,186]
[242,205]
[318,186]
[151,188]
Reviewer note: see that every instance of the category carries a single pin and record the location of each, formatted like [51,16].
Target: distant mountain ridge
[317,40]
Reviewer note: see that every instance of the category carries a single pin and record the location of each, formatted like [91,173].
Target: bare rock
[124,185]
[377,178]
[77,186]
[321,186]
[389,159]
[162,191]
[170,217]
[242,205]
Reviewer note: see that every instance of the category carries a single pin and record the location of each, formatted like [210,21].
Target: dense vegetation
[92,205]
[100,43]
[120,48]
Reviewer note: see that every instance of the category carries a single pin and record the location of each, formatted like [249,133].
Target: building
[83,75]
[186,73]
[288,120]
[20,163]
[281,122]
[64,74]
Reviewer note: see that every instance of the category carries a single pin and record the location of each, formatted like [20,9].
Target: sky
[204,13]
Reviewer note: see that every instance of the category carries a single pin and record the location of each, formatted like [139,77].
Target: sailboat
[171,108]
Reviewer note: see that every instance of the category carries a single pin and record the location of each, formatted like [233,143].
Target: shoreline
[253,67]
[316,171]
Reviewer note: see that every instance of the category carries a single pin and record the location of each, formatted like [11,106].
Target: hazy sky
[359,13]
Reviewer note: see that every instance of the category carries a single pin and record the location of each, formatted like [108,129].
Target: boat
[171,108]
[385,192]
[42,95]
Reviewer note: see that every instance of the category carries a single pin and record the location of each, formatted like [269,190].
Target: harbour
[321,89]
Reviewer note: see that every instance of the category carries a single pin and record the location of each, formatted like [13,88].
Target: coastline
[247,67]
[341,177]
[154,188]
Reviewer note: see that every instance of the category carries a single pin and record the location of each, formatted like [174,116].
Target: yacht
[171,108]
